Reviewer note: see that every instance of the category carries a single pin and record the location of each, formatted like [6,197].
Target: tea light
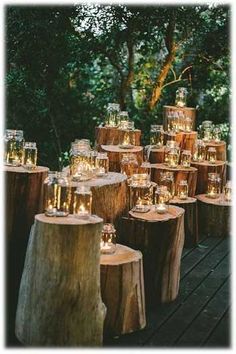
[29,155]
[182,190]
[82,202]
[228,191]
[211,155]
[186,158]
[108,239]
[173,158]
[141,206]
[161,198]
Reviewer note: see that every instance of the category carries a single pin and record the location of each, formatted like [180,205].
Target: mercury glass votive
[29,156]
[161,199]
[82,207]
[102,164]
[108,239]
[185,160]
[182,190]
[211,155]
[213,185]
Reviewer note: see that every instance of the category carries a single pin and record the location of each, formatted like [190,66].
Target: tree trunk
[157,155]
[122,287]
[186,140]
[112,136]
[115,154]
[59,300]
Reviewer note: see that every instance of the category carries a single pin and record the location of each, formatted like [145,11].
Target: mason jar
[181,97]
[13,147]
[156,136]
[161,199]
[129,164]
[102,164]
[185,160]
[29,156]
[182,190]
[213,185]
[108,239]
[228,191]
[167,179]
[57,194]
[211,155]
[199,151]
[124,119]
[173,158]
[112,115]
[82,202]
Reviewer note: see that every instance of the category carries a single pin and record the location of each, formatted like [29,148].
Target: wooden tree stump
[24,199]
[202,175]
[157,155]
[115,154]
[190,220]
[59,300]
[214,216]
[160,238]
[122,288]
[111,136]
[109,196]
[180,173]
[186,140]
[188,112]
[220,149]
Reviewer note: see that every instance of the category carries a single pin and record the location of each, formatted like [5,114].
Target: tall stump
[160,238]
[115,154]
[59,300]
[23,199]
[220,147]
[187,111]
[185,140]
[112,136]
[157,155]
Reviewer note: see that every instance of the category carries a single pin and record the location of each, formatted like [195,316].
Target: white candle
[161,208]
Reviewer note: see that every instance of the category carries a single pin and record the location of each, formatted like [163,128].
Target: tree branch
[179,78]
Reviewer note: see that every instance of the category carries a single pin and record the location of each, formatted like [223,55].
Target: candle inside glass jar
[213,185]
[211,155]
[82,202]
[186,158]
[228,191]
[29,155]
[161,197]
[108,239]
[173,158]
[182,190]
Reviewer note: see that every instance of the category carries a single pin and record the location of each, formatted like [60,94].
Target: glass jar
[140,195]
[112,116]
[213,185]
[140,179]
[207,134]
[167,180]
[29,156]
[156,136]
[161,199]
[188,124]
[172,121]
[82,202]
[57,194]
[211,155]
[182,190]
[108,239]
[126,139]
[199,151]
[13,147]
[181,97]
[124,119]
[129,164]
[228,191]
[102,164]
[217,134]
[173,158]
[130,125]
[186,158]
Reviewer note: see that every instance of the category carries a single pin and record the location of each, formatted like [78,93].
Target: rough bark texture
[186,140]
[122,288]
[109,196]
[214,216]
[180,173]
[59,300]
[111,136]
[202,175]
[24,199]
[188,112]
[160,238]
[115,155]
[156,155]
[220,150]
[190,220]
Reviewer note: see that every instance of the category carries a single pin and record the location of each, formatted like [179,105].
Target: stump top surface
[207,163]
[162,166]
[218,201]
[173,212]
[68,220]
[116,148]
[110,179]
[20,169]
[189,200]
[123,254]
[193,132]
[180,108]
[214,144]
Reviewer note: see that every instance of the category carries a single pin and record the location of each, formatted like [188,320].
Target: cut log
[190,220]
[186,141]
[214,216]
[202,175]
[180,173]
[24,199]
[59,300]
[115,154]
[220,150]
[187,111]
[122,288]
[109,196]
[111,136]
[157,155]
[160,238]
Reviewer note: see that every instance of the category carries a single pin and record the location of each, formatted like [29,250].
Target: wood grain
[115,154]
[111,136]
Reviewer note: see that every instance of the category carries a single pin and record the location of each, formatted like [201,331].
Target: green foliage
[65,64]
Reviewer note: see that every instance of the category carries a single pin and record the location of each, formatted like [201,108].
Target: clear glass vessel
[182,190]
[127,139]
[82,202]
[188,124]
[167,180]
[108,239]
[228,191]
[199,151]
[13,147]
[217,135]
[161,199]
[213,185]
[173,158]
[156,136]
[181,97]
[57,194]
[102,164]
[112,116]
[185,160]
[129,164]
[211,155]
[29,156]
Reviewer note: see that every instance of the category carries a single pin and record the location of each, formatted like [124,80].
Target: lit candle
[101,172]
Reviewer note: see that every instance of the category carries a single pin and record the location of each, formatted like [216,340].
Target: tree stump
[190,220]
[214,216]
[109,196]
[187,111]
[186,140]
[180,173]
[24,199]
[157,155]
[203,169]
[160,238]
[112,135]
[115,154]
[122,288]
[59,300]
[220,149]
